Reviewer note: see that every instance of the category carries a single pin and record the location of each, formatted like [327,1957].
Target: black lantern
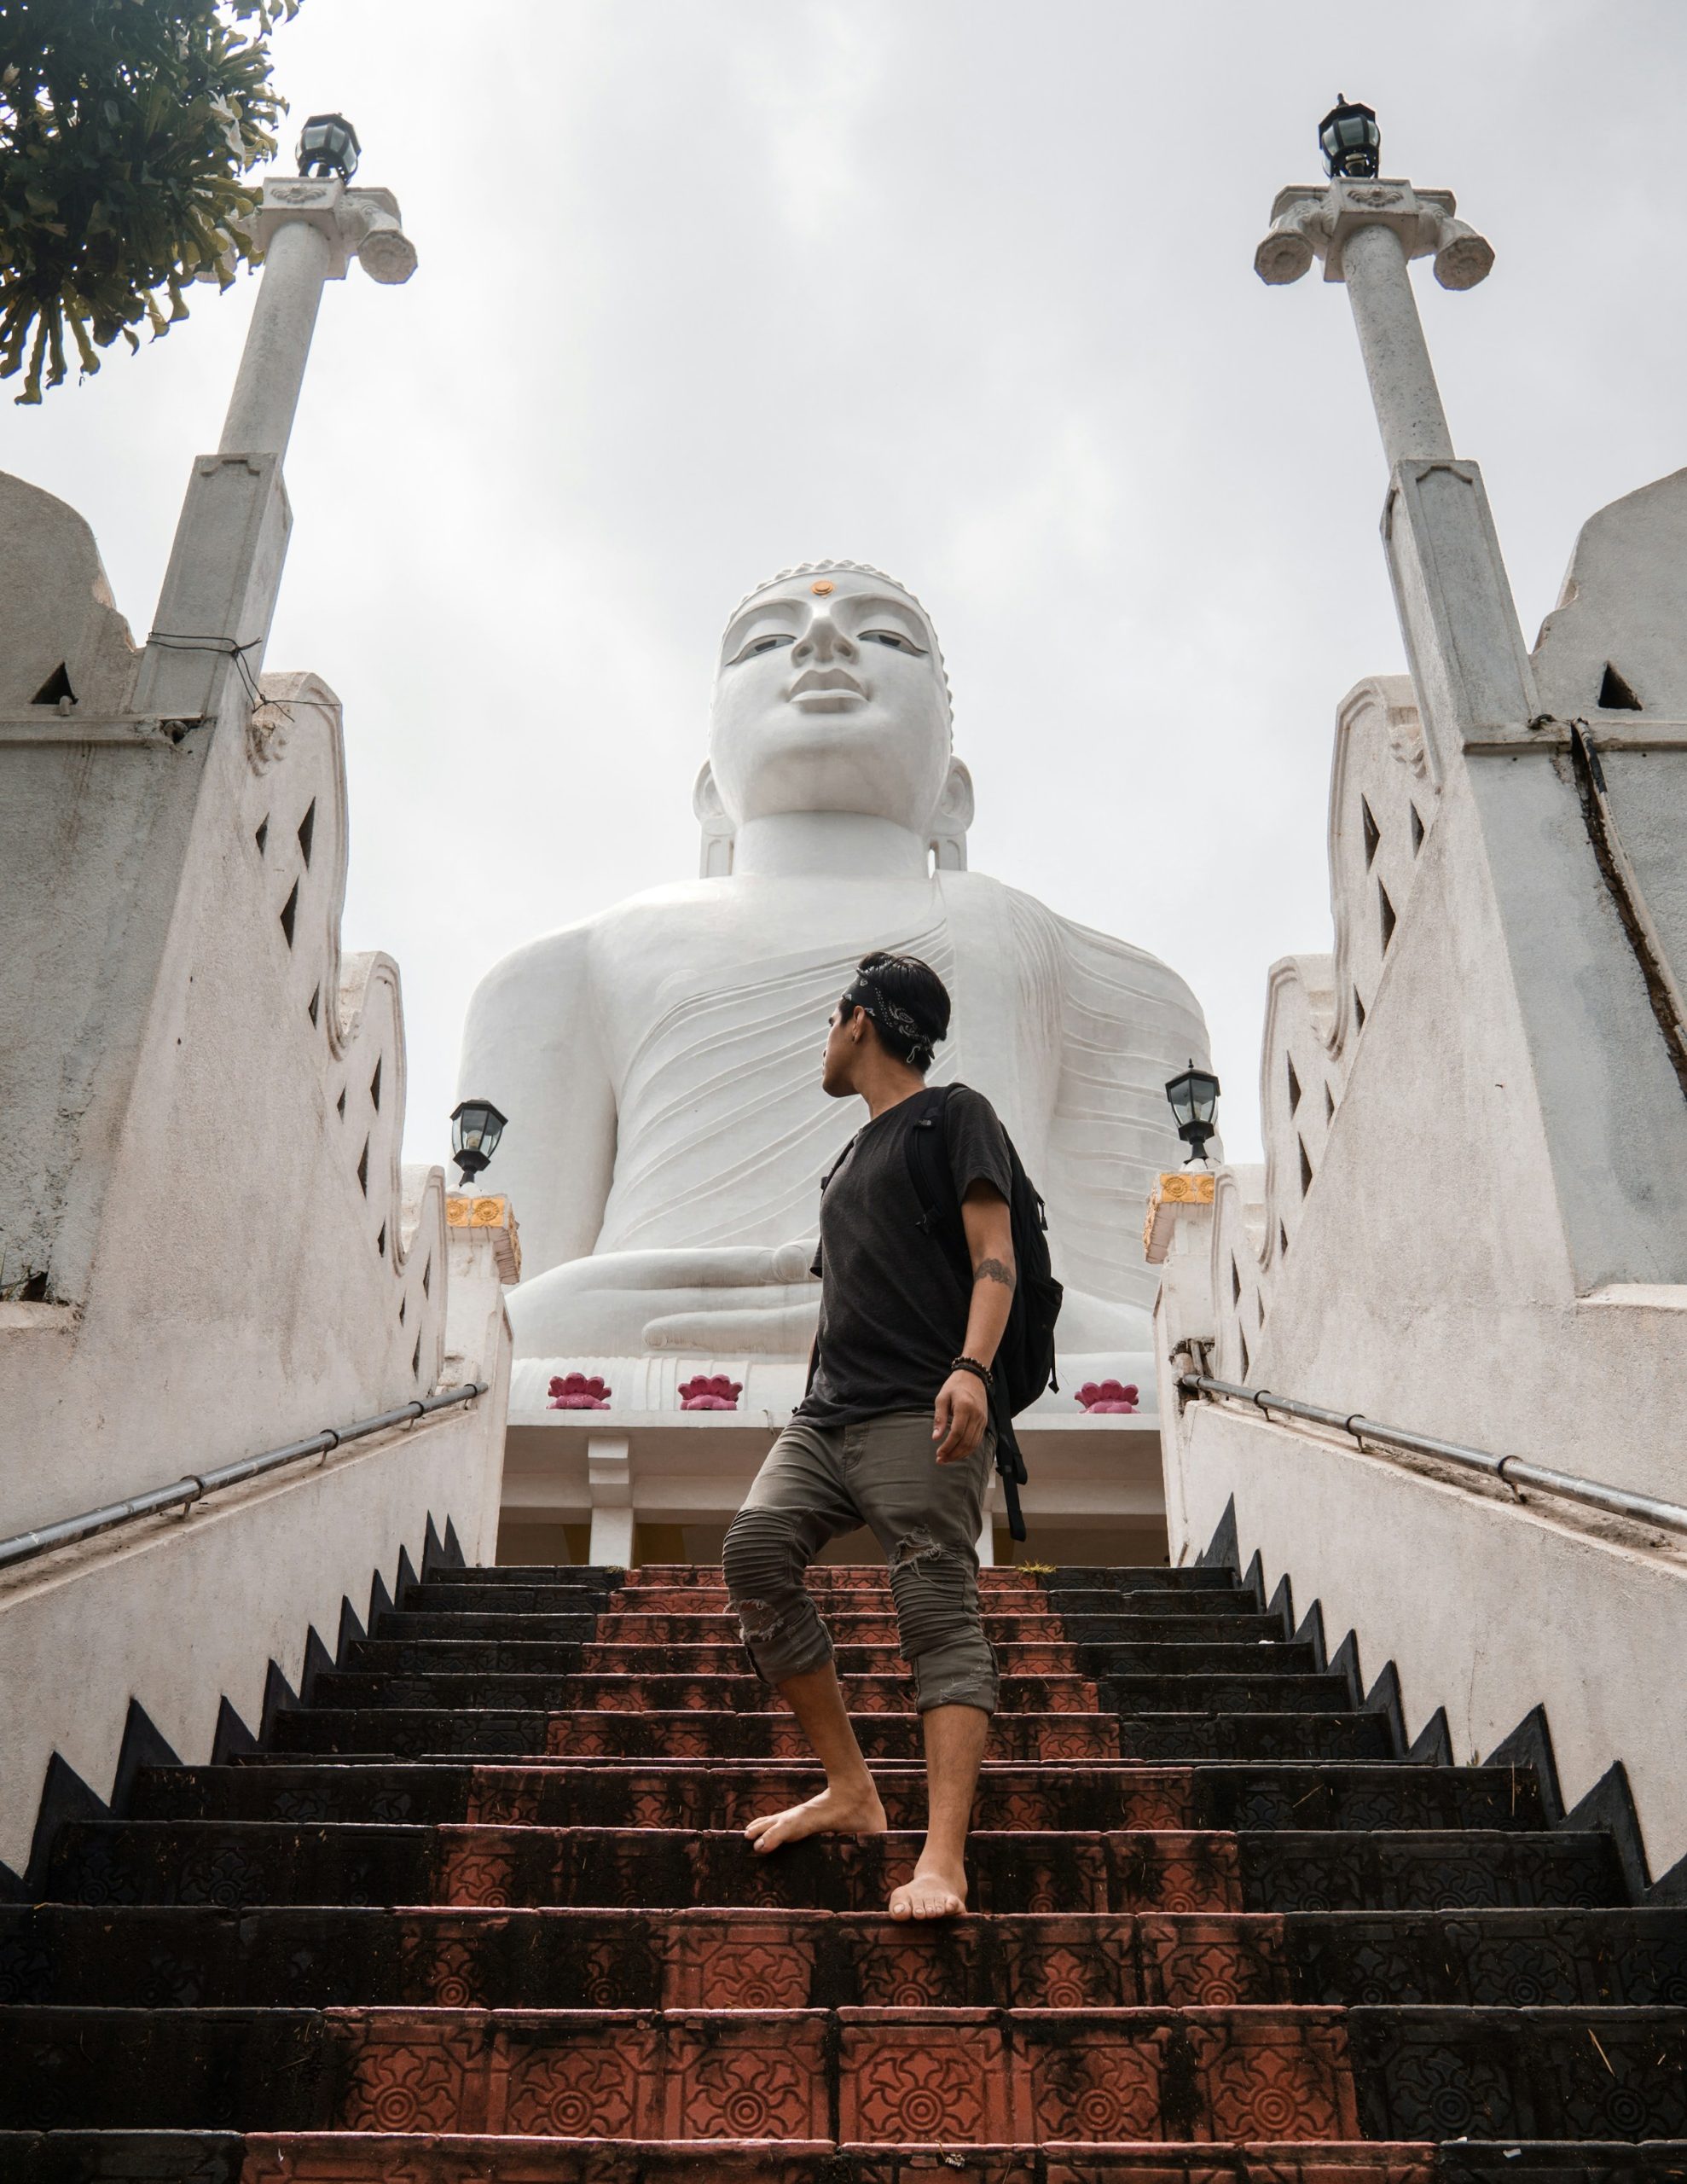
[475,1128]
[328,144]
[1194,1098]
[1350,141]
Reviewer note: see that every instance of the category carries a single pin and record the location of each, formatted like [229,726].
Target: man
[894,1434]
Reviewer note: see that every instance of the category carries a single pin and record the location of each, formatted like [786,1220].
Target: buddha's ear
[718,832]
[950,822]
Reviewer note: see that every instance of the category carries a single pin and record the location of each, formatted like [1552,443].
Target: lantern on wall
[1194,1099]
[1350,141]
[475,1128]
[327,145]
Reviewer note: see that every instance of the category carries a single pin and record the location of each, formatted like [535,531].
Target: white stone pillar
[609,1473]
[299,258]
[1408,402]
[1365,233]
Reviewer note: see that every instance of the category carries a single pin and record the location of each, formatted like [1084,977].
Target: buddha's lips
[813,679]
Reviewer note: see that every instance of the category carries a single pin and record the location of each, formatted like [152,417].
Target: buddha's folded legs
[711,1298]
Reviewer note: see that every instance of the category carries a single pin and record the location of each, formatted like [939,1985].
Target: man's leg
[797,1503]
[848,1804]
[955,1749]
[927,1518]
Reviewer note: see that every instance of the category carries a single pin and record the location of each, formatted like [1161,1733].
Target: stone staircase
[480,1910]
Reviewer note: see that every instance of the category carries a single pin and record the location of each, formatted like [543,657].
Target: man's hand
[963,1412]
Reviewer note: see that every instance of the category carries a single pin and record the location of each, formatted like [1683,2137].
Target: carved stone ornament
[579,1391]
[266,733]
[1108,1398]
[1406,737]
[464,1211]
[1177,1187]
[1309,223]
[710,1391]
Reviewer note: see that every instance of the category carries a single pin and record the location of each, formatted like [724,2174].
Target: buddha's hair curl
[858,569]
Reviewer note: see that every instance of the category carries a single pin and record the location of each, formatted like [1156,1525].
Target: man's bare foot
[933,1893]
[833,1812]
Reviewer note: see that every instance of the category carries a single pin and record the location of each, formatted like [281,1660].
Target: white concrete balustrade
[1472,1218]
[208,1247]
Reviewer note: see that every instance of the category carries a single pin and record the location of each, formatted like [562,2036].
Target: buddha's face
[830,698]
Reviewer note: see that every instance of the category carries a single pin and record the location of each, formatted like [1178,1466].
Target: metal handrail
[24,1547]
[1512,1471]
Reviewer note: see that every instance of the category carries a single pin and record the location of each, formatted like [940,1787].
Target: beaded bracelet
[971,1365]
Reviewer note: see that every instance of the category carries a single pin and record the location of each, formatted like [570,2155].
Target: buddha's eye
[760,645]
[894,638]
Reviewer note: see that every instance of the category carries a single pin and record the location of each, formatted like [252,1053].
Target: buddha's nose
[823,641]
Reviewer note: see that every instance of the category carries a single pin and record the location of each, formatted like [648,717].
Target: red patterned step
[744,1693]
[827,1577]
[731,1797]
[1059,1871]
[891,2078]
[712,1599]
[689,1735]
[336,2157]
[848,1626]
[877,1657]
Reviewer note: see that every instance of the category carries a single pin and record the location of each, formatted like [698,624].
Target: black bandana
[890,1016]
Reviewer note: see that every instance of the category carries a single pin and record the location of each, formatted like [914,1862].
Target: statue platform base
[643,1479]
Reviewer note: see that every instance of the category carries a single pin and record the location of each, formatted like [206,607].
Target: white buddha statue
[659,1063]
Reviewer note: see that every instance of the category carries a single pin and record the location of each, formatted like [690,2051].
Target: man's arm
[962,1402]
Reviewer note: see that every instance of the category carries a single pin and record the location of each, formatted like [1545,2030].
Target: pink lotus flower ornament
[1099,1396]
[576,1391]
[712,1391]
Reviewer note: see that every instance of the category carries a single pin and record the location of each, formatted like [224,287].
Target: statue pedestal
[591,1476]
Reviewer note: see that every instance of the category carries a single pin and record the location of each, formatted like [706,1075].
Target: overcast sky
[959,288]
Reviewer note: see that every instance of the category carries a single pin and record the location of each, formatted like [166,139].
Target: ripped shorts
[820,1481]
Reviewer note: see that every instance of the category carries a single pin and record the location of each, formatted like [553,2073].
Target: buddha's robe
[660,1067]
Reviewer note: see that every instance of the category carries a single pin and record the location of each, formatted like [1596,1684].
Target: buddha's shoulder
[1100,964]
[575,951]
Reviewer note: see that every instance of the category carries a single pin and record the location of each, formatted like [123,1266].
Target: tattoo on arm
[994,1270]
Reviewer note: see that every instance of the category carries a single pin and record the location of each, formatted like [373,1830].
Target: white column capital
[1310,221]
[365,224]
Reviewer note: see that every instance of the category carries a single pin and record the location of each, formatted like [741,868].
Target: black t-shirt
[893,1313]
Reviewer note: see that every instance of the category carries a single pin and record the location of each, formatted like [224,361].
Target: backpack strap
[1010,1467]
[933,1180]
[940,1218]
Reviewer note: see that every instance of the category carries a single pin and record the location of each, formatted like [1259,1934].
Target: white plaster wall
[1480,1234]
[235,1259]
[180,1611]
[1486,1608]
[187,1610]
[1428,1282]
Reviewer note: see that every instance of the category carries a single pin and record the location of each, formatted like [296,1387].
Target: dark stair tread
[1072,1870]
[282,1955]
[221,2158]
[1210,1794]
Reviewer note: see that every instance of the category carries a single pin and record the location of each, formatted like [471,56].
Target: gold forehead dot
[820,589]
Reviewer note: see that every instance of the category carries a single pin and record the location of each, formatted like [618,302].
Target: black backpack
[1024,1359]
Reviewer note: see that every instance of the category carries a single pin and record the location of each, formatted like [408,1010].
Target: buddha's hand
[752,1297]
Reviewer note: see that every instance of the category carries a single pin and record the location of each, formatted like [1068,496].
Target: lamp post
[475,1128]
[311,227]
[1366,231]
[1350,141]
[1194,1098]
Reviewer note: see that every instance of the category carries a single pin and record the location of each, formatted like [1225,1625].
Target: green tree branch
[126,128]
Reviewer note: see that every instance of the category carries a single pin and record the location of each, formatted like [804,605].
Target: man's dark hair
[907,1003]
